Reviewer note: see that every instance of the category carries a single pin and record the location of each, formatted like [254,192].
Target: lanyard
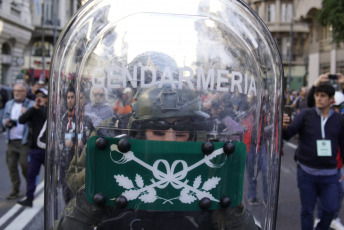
[323,122]
[70,121]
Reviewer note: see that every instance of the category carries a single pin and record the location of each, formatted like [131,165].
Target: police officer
[178,119]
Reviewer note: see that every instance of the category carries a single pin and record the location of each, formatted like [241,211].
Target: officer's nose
[170,135]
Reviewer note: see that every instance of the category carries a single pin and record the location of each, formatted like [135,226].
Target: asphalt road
[288,215]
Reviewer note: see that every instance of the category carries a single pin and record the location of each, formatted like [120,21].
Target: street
[12,215]
[15,217]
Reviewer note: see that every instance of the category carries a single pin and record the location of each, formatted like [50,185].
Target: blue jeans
[341,196]
[326,189]
[254,164]
[36,159]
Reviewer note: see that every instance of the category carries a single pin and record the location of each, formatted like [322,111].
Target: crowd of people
[24,118]
[315,115]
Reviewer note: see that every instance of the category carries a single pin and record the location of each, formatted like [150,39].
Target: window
[6,49]
[48,12]
[286,12]
[326,33]
[270,12]
[37,49]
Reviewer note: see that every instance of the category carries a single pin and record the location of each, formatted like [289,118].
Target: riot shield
[164,117]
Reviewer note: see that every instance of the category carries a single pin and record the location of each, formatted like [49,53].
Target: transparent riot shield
[164,115]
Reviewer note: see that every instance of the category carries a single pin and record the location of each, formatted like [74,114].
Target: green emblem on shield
[165,176]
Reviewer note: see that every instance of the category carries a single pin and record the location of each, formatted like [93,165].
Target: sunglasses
[179,125]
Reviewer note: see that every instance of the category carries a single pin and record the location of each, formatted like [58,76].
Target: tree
[332,14]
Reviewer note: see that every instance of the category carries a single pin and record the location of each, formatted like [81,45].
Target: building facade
[15,33]
[29,28]
[310,52]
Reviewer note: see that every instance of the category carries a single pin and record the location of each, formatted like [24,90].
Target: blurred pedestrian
[32,92]
[35,117]
[256,161]
[3,100]
[99,105]
[17,136]
[300,102]
[68,140]
[320,135]
[122,104]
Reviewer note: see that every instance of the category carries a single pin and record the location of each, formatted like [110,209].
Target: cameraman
[35,117]
[17,147]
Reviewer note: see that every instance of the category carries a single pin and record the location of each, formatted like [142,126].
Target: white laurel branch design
[187,196]
[148,194]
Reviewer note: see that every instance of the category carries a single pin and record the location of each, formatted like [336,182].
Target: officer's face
[168,135]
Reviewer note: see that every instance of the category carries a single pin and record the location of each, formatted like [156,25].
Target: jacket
[310,133]
[7,114]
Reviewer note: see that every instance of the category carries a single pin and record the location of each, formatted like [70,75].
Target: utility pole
[43,41]
[291,46]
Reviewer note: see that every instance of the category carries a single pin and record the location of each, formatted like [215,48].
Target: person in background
[3,100]
[122,104]
[17,136]
[35,117]
[256,161]
[98,106]
[300,102]
[320,135]
[32,92]
[68,139]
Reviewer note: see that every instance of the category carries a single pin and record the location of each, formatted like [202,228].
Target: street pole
[43,41]
[56,12]
[291,46]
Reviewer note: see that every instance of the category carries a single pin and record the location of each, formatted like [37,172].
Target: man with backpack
[320,135]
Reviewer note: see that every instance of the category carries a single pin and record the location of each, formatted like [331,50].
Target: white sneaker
[316,221]
[336,224]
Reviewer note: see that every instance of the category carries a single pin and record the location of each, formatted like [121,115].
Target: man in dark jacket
[35,116]
[320,134]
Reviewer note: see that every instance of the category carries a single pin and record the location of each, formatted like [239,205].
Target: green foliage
[332,14]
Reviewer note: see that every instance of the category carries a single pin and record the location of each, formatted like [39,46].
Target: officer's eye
[181,134]
[159,133]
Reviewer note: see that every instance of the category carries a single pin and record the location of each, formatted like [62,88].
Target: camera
[12,124]
[333,76]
